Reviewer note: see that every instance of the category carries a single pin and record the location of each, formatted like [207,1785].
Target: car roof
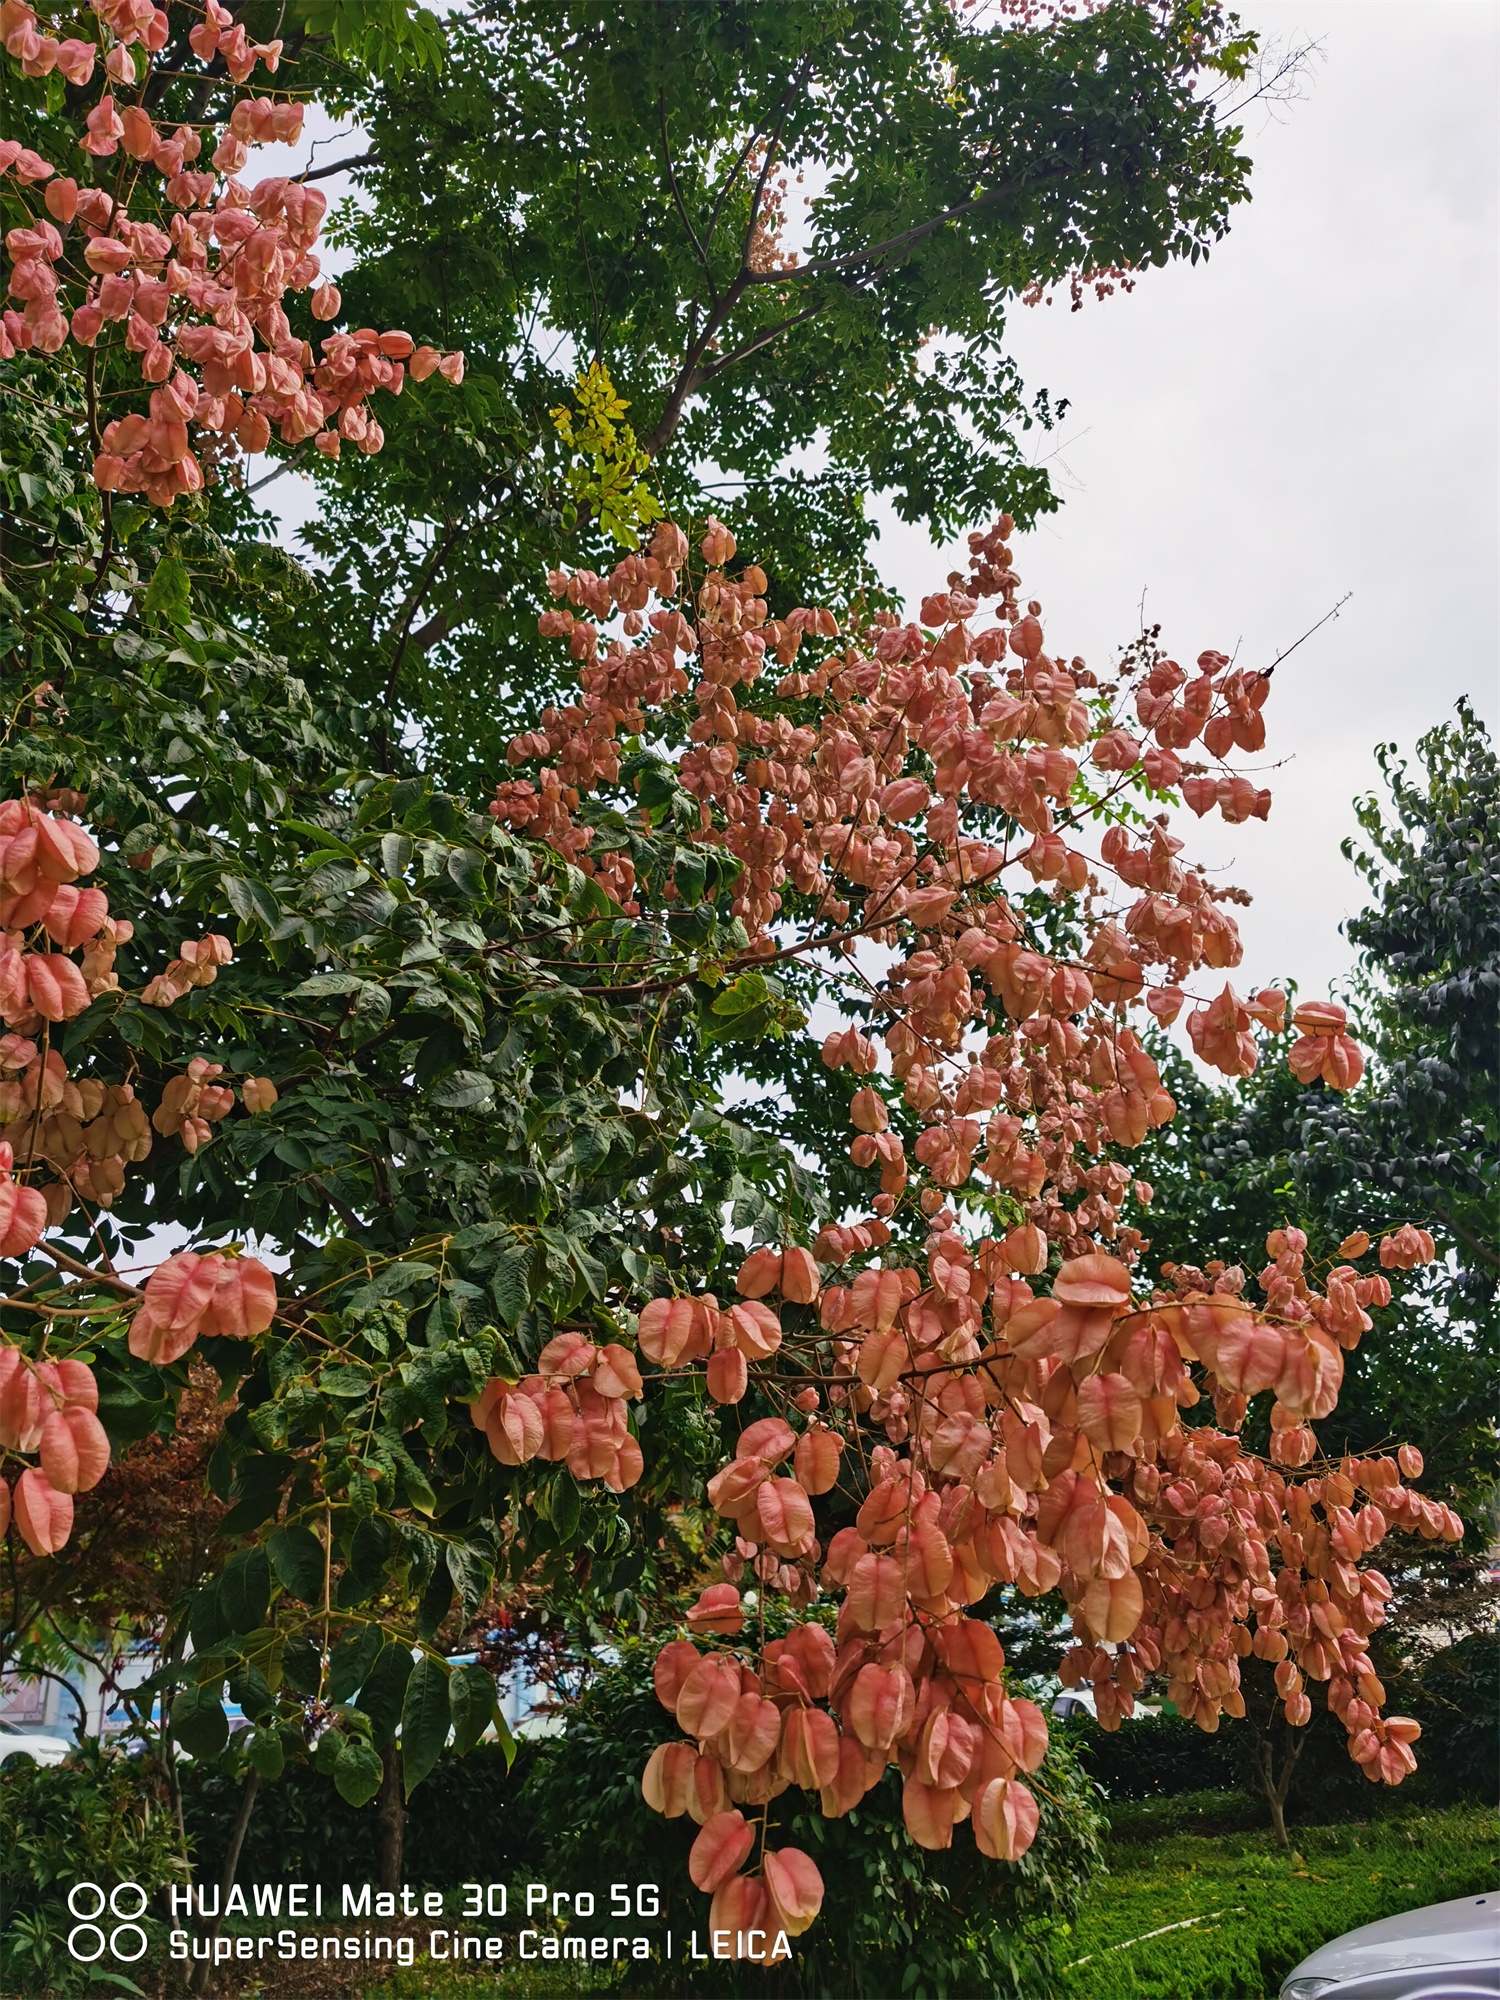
[1462,1932]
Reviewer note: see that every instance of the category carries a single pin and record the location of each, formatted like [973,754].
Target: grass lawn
[1257,1910]
[506,1982]
[1260,1910]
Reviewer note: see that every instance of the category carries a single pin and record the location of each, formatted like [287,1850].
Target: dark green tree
[1416,1141]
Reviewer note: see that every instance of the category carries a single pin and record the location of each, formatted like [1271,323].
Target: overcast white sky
[1311,413]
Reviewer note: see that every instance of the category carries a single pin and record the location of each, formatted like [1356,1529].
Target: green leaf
[252,902]
[464,1090]
[396,850]
[564,1503]
[266,1751]
[475,1703]
[298,1559]
[206,1621]
[443,1323]
[466,871]
[418,1490]
[357,1773]
[384,1690]
[395,1278]
[690,872]
[436,1601]
[749,990]
[97,1973]
[370,1548]
[245,1591]
[343,1379]
[326,986]
[198,1721]
[470,1569]
[321,837]
[249,1691]
[510,1280]
[425,1720]
[301,1665]
[656,788]
[169,595]
[353,1658]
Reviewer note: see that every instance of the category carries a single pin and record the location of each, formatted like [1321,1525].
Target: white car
[1449,1951]
[31,1743]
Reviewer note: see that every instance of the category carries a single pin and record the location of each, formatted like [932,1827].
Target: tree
[1430,954]
[756,218]
[1417,1136]
[464,1077]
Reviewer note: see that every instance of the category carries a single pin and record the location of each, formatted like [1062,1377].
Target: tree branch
[905,239]
[761,340]
[765,172]
[1484,1251]
[691,377]
[438,626]
[677,201]
[423,584]
[724,192]
[1268,671]
[106,1278]
[340,166]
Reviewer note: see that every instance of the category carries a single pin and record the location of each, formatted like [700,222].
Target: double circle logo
[126,1941]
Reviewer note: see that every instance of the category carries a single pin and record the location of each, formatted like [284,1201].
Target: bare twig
[1307,635]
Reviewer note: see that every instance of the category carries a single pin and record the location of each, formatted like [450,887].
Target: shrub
[98,1817]
[896,1918]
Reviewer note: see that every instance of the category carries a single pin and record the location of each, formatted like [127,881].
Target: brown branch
[690,378]
[765,171]
[424,583]
[1268,671]
[761,340]
[734,173]
[1470,1241]
[106,1278]
[438,626]
[340,166]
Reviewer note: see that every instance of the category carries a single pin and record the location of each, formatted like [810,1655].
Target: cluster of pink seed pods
[1011,1409]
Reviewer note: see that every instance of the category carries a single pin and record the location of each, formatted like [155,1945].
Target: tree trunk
[1278,1816]
[203,1971]
[392,1819]
[1276,1785]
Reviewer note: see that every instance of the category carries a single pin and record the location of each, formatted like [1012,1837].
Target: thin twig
[1268,671]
